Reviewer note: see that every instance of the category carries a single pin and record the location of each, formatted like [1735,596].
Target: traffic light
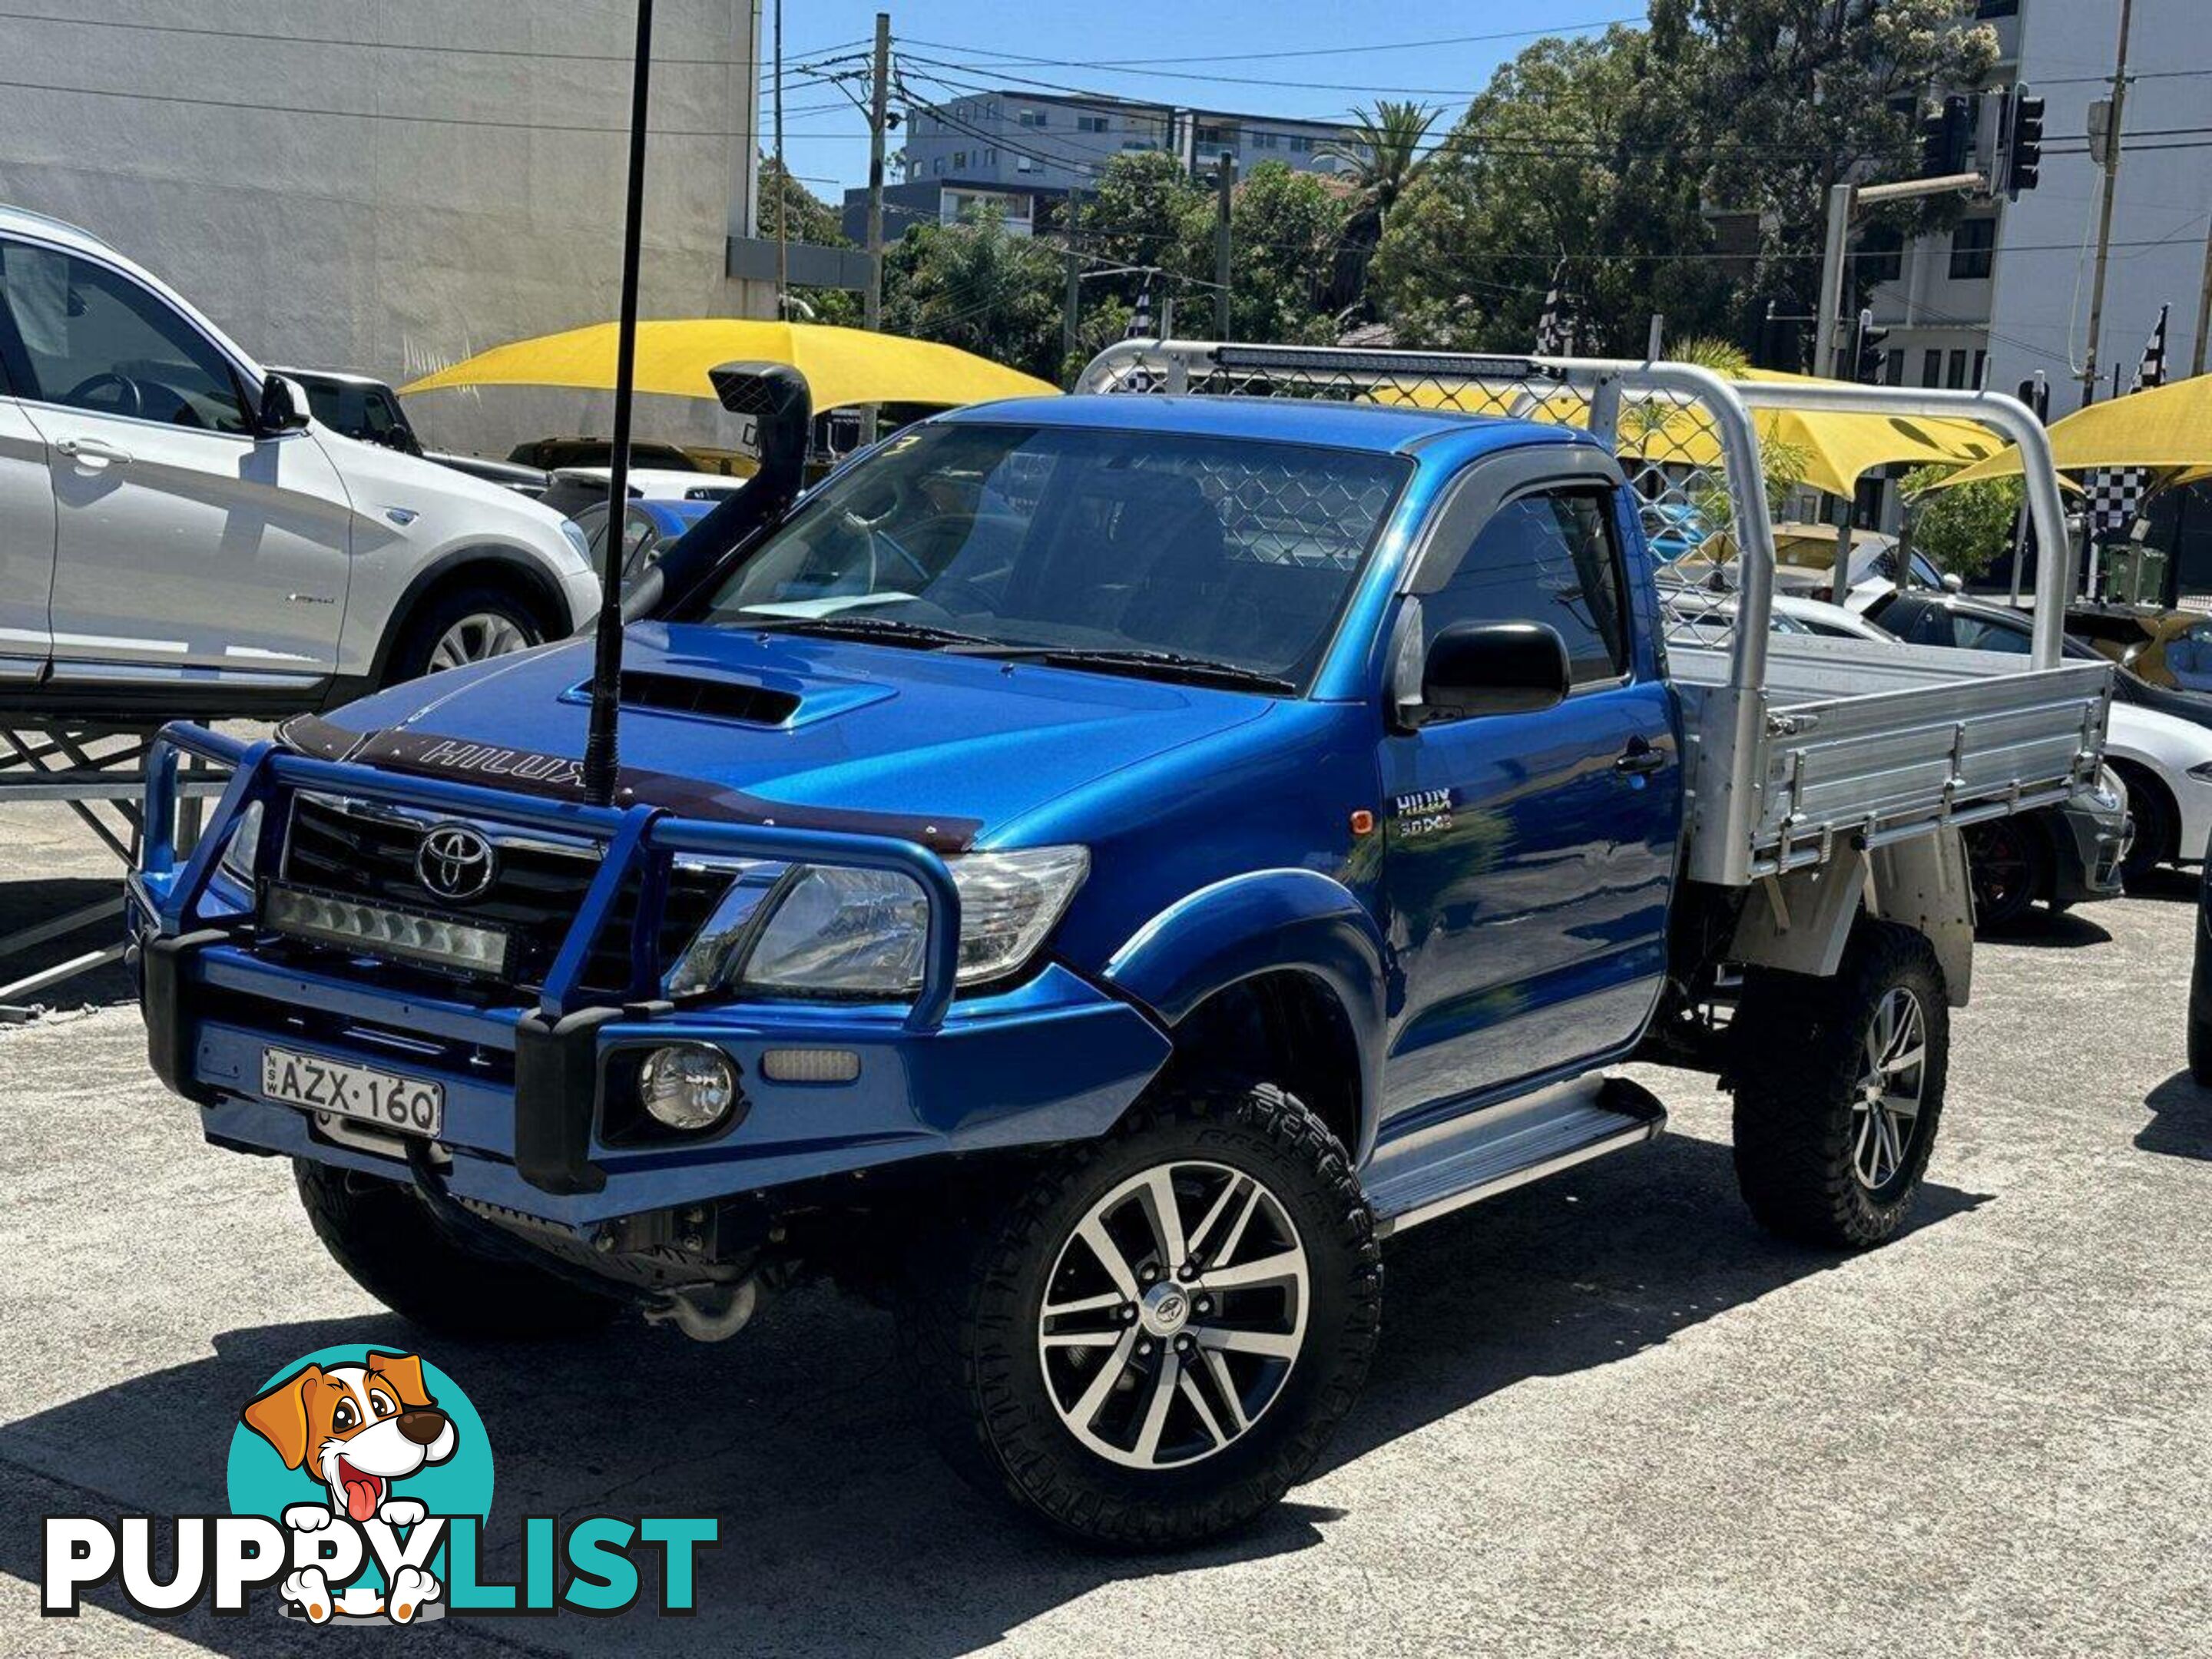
[2024,150]
[1946,135]
[2035,393]
[1866,359]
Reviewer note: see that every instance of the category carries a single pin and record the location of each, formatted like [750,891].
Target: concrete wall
[389,186]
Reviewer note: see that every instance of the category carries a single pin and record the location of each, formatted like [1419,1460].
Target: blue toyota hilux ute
[1087,872]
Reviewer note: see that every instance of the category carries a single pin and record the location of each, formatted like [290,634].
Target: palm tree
[1382,157]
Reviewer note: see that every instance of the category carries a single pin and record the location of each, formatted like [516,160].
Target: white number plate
[405,1105]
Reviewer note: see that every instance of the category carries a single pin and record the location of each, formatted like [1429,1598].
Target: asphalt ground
[1608,1416]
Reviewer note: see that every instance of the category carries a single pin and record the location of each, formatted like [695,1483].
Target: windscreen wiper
[1172,665]
[886,630]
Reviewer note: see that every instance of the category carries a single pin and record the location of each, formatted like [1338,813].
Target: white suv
[179,537]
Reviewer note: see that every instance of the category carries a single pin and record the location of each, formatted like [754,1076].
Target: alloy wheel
[1173,1315]
[478,637]
[1885,1102]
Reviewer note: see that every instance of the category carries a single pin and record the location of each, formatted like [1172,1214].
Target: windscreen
[1235,552]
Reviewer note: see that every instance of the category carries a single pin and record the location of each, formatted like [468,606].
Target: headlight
[240,851]
[2201,772]
[572,533]
[862,931]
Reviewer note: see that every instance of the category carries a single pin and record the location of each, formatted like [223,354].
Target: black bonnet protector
[560,777]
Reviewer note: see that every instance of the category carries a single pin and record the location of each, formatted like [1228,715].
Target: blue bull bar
[555,1044]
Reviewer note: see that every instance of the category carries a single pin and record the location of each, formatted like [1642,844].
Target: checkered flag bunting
[1555,329]
[2116,493]
[1140,320]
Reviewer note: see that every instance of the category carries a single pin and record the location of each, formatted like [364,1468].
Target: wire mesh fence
[1668,441]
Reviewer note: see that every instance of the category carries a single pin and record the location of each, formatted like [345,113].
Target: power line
[1303,86]
[1309,52]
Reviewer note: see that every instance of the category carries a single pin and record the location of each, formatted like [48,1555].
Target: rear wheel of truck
[393,1248]
[1149,1343]
[1839,1088]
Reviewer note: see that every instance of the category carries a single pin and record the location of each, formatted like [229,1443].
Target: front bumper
[529,1086]
[2092,844]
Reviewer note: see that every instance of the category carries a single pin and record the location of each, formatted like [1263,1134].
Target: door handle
[1640,759]
[91,450]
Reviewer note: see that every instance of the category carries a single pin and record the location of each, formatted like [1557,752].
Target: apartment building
[1014,152]
[2005,292]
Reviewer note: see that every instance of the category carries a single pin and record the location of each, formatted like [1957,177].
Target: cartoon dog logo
[358,1429]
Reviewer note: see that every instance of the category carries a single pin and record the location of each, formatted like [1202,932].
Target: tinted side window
[1972,633]
[1548,558]
[94,340]
[1917,623]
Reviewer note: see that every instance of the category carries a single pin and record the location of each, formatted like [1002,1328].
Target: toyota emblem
[455,862]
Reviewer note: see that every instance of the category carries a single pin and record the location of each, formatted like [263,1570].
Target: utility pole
[2204,311]
[878,125]
[2105,206]
[1655,339]
[1842,198]
[1225,180]
[782,186]
[1072,307]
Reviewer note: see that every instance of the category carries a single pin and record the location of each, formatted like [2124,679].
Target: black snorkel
[775,395]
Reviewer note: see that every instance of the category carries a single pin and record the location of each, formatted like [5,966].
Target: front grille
[368,851]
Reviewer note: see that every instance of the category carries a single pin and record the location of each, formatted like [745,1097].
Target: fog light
[688,1089]
[809,1065]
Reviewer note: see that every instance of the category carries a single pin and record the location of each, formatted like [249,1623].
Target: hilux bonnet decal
[559,776]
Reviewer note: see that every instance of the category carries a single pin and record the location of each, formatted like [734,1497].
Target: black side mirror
[284,407]
[1493,668]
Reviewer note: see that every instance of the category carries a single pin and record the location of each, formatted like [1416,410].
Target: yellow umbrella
[1837,448]
[2169,426]
[843,365]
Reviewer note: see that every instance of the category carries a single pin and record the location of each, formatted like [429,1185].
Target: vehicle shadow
[2181,1119]
[2175,886]
[2041,930]
[25,905]
[841,1531]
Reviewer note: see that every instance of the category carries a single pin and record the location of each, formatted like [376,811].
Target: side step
[1508,1145]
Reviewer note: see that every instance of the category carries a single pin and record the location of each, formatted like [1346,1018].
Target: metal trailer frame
[1797,747]
[81,768]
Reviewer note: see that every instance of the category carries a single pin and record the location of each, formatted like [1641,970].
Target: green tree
[1792,96]
[1964,530]
[1282,231]
[806,218]
[1146,213]
[1384,156]
[1568,160]
[974,286]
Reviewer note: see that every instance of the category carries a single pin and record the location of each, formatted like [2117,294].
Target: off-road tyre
[388,1244]
[968,1318]
[411,652]
[1799,1053]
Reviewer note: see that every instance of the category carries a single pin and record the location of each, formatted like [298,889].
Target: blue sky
[1225,55]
